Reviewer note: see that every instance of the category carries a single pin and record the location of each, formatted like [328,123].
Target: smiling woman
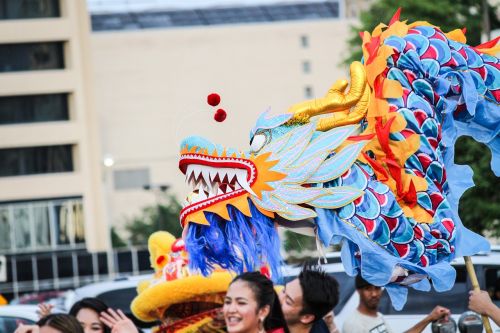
[251,305]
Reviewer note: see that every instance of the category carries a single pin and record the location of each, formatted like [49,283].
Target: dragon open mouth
[214,179]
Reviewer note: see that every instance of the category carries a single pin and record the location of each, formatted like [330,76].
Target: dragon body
[371,169]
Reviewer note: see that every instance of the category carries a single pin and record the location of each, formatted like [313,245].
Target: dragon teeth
[213,173]
[241,176]
[205,174]
[197,170]
[202,195]
[189,171]
[222,173]
[231,173]
[209,181]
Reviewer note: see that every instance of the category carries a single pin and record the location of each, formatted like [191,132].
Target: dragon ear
[337,101]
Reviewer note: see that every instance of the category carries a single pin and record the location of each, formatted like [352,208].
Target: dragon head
[242,195]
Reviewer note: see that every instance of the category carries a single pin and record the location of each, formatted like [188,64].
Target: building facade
[50,178]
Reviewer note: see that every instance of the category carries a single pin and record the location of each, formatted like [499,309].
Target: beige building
[51,193]
[151,87]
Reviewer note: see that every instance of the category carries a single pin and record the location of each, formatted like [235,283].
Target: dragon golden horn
[335,100]
[353,117]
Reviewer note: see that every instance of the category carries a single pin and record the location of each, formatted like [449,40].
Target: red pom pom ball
[213,99]
[220,115]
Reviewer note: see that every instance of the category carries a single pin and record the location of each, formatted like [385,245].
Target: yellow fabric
[155,297]
[492,51]
[162,295]
[457,35]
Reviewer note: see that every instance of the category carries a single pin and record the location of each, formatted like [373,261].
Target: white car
[419,304]
[13,315]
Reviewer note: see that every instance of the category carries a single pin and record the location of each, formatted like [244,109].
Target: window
[214,16]
[5,241]
[22,230]
[131,179]
[42,225]
[35,160]
[306,66]
[304,41]
[27,9]
[33,108]
[308,92]
[31,56]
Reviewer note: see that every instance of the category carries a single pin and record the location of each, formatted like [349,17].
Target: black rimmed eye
[259,140]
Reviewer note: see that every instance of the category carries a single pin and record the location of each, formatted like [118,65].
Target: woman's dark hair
[265,294]
[62,322]
[91,303]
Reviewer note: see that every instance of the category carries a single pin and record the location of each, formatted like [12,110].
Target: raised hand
[118,321]
[44,309]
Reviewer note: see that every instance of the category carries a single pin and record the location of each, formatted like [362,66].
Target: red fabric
[372,48]
[488,44]
[377,167]
[395,17]
[213,99]
[276,330]
[220,115]
[361,137]
[383,132]
[160,260]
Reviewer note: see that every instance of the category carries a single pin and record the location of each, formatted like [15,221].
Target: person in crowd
[95,317]
[367,319]
[480,302]
[308,298]
[251,306]
[87,312]
[53,323]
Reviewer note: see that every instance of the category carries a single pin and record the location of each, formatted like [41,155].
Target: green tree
[116,240]
[162,216]
[479,206]
[447,14]
[298,242]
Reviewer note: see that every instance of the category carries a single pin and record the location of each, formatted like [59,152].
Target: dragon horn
[353,117]
[335,100]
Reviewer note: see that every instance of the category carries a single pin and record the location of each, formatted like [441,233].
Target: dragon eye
[258,142]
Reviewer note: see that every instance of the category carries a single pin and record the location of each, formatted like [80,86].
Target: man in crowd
[307,299]
[366,318]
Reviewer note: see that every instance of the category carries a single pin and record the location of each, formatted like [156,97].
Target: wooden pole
[475,286]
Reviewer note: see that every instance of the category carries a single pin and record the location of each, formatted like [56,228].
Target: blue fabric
[222,242]
[377,263]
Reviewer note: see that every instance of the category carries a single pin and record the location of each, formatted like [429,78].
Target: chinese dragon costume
[181,301]
[370,167]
